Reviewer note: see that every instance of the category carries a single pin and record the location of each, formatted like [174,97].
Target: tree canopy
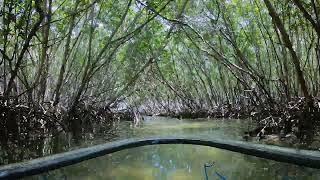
[160,55]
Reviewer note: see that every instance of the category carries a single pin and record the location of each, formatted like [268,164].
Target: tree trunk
[295,59]
[66,54]
[25,47]
[44,63]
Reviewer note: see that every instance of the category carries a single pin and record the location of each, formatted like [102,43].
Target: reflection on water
[179,162]
[170,161]
[230,129]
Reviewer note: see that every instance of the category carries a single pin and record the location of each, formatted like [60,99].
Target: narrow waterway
[177,162]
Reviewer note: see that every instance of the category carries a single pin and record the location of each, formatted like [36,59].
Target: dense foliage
[159,56]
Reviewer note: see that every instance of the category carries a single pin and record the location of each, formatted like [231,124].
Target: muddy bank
[281,120]
[20,121]
[28,132]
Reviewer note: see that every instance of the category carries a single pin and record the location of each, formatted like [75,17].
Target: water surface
[179,162]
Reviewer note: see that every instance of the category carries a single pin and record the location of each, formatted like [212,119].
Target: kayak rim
[40,165]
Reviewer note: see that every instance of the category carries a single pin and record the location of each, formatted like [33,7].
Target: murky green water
[180,162]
